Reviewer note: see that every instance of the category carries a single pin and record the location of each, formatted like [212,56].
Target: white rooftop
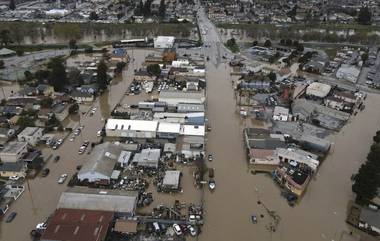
[318,89]
[133,125]
[169,127]
[192,130]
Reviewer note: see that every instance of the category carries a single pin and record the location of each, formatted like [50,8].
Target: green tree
[102,75]
[74,108]
[28,75]
[25,121]
[162,9]
[12,5]
[365,16]
[154,69]
[74,77]
[255,43]
[1,64]
[93,16]
[19,52]
[73,44]
[364,57]
[272,76]
[57,76]
[267,43]
[146,9]
[5,37]
[42,75]
[365,183]
[46,102]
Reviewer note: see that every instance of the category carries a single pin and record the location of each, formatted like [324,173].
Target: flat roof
[133,125]
[171,178]
[193,130]
[98,199]
[318,89]
[78,225]
[13,148]
[165,127]
[29,131]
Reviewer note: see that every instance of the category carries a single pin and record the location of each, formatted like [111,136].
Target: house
[13,151]
[369,220]
[318,90]
[31,135]
[348,72]
[78,225]
[61,111]
[171,181]
[119,201]
[80,96]
[263,160]
[295,181]
[100,164]
[164,42]
[143,75]
[45,90]
[295,156]
[6,133]
[8,169]
[131,128]
[119,55]
[147,158]
[280,113]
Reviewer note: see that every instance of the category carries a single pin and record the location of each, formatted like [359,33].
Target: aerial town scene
[205,120]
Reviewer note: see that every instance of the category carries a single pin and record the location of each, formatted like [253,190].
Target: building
[175,97]
[318,90]
[118,201]
[131,128]
[147,158]
[78,225]
[263,160]
[61,111]
[370,220]
[168,130]
[8,169]
[100,164]
[188,108]
[81,96]
[294,180]
[13,151]
[295,156]
[348,72]
[164,42]
[280,113]
[31,135]
[171,180]
[193,130]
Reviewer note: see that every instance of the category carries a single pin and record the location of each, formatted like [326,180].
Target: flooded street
[322,211]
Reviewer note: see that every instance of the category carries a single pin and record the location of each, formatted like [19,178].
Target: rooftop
[29,131]
[318,89]
[13,148]
[171,178]
[132,125]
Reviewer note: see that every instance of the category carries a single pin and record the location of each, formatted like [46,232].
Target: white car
[72,138]
[14,178]
[41,226]
[192,230]
[62,178]
[177,229]
[99,133]
[60,141]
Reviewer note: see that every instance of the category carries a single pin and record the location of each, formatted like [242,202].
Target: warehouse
[318,90]
[131,128]
[100,164]
[171,180]
[168,130]
[147,158]
[175,97]
[164,42]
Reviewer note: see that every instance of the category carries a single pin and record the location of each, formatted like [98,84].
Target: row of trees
[367,180]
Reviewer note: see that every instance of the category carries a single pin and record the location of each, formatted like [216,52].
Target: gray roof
[5,51]
[11,166]
[13,147]
[182,94]
[370,216]
[98,199]
[29,131]
[102,159]
[171,178]
[183,107]
[147,157]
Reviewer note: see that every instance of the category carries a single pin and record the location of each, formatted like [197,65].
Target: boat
[211,184]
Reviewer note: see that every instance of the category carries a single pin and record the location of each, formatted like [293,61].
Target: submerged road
[321,213]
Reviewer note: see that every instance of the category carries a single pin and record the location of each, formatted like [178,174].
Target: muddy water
[322,211]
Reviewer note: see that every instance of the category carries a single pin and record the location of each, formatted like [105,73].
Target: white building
[296,156]
[164,42]
[13,151]
[319,90]
[131,128]
[348,72]
[32,135]
[173,98]
[192,130]
[280,113]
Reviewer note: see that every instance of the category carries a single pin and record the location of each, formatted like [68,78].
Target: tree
[154,69]
[272,76]
[365,183]
[19,52]
[12,5]
[1,64]
[46,102]
[93,16]
[74,77]
[57,76]
[102,77]
[365,16]
[255,43]
[162,9]
[42,75]
[73,44]
[300,48]
[267,43]
[25,121]
[146,9]
[73,109]
[28,75]
[5,37]
[364,57]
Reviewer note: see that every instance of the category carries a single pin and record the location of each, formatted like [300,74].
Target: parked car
[60,141]
[177,229]
[41,226]
[62,178]
[45,172]
[99,133]
[10,217]
[192,230]
[72,138]
[210,157]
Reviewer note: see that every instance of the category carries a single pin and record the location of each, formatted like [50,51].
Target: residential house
[80,96]
[8,169]
[31,135]
[13,151]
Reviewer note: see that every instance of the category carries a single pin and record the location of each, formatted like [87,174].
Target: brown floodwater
[320,214]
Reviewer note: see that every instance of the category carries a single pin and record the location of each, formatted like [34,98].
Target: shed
[171,180]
